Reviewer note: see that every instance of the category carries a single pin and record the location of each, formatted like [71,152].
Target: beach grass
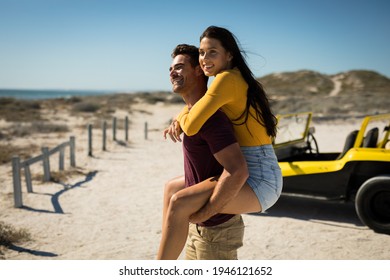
[8,151]
[60,176]
[14,110]
[10,235]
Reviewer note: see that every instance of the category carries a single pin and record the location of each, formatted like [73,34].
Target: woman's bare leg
[188,201]
[181,206]
[244,202]
[171,187]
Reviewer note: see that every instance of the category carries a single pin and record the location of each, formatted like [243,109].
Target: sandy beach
[111,210]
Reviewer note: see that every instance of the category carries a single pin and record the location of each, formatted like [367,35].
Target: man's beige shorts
[215,243]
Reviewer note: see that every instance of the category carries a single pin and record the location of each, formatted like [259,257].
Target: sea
[49,94]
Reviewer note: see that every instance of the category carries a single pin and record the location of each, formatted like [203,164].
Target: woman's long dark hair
[256,96]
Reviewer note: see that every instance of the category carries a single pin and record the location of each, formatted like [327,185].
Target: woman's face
[213,58]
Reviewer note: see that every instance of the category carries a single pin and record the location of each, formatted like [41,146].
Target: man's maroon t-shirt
[199,162]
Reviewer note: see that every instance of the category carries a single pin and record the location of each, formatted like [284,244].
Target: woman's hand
[173,131]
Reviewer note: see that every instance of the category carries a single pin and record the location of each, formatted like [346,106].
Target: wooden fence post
[17,183]
[45,158]
[114,129]
[72,146]
[104,135]
[61,160]
[27,175]
[146,130]
[46,164]
[90,140]
[127,128]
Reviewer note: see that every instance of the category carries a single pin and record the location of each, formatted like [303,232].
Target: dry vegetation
[8,151]
[9,235]
[26,118]
[14,110]
[60,176]
[359,93]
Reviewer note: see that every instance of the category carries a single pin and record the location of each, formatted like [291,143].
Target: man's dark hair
[192,52]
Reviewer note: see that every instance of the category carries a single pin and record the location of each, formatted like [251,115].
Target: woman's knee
[173,186]
[180,203]
[169,189]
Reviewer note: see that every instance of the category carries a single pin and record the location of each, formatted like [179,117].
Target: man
[220,236]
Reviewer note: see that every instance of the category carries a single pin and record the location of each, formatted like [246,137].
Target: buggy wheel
[373,204]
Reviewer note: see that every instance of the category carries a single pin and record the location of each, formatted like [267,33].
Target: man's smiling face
[182,75]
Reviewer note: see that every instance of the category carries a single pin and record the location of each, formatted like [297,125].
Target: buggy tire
[373,204]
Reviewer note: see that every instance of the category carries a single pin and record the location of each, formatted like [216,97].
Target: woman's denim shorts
[265,176]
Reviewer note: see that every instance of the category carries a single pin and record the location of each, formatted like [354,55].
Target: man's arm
[233,177]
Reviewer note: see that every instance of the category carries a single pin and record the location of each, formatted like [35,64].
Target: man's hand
[229,184]
[173,131]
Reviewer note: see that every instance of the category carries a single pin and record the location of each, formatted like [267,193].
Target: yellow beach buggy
[359,173]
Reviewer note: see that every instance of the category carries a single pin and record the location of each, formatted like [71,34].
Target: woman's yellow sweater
[227,92]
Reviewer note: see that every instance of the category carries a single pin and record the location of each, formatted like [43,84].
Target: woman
[241,97]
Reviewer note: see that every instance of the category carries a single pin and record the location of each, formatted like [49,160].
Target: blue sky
[126,45]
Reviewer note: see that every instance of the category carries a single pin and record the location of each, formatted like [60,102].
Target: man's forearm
[230,182]
[228,186]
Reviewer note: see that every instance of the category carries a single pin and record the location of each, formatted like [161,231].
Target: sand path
[337,86]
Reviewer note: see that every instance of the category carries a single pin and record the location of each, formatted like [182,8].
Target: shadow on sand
[57,210]
[31,252]
[325,211]
[55,197]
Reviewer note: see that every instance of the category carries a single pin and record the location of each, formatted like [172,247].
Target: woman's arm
[220,93]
